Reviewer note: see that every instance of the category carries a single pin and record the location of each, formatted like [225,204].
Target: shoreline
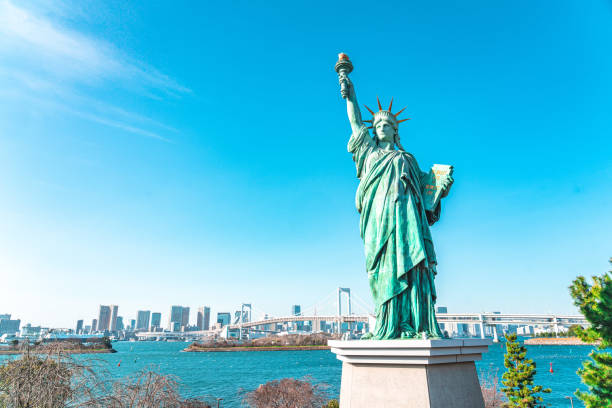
[262,348]
[557,341]
[96,351]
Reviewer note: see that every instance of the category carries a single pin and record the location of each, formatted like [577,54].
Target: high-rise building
[9,326]
[104,317]
[185,317]
[113,321]
[176,316]
[203,322]
[94,325]
[142,319]
[155,321]
[224,318]
[120,325]
[296,310]
[133,324]
[79,327]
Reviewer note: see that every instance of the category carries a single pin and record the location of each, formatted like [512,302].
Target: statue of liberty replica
[397,203]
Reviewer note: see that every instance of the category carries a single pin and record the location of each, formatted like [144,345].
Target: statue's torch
[343,68]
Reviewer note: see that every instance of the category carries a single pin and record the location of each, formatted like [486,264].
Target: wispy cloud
[50,62]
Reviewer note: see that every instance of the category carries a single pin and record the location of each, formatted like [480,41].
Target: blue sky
[157,154]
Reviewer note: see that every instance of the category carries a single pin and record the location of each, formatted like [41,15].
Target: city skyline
[177,167]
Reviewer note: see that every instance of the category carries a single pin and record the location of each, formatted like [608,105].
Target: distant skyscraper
[203,322]
[185,317]
[113,321]
[9,326]
[133,324]
[224,318]
[120,325]
[94,325]
[104,318]
[176,316]
[296,310]
[79,327]
[142,319]
[155,321]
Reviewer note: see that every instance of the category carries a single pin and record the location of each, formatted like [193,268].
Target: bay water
[228,375]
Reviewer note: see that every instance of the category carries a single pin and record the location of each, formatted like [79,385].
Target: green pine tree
[518,380]
[595,303]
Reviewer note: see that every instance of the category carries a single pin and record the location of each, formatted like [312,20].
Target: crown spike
[390,105]
[397,114]
[370,127]
[379,105]
[403,120]
[372,112]
[368,121]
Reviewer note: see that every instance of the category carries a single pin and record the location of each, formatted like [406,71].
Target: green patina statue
[397,203]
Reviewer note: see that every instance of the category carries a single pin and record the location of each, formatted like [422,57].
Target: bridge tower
[348,300]
[245,317]
[348,306]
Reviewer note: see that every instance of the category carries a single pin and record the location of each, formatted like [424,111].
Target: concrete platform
[410,373]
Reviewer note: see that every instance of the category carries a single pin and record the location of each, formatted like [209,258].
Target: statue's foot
[409,335]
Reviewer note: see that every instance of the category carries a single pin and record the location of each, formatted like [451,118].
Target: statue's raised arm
[343,68]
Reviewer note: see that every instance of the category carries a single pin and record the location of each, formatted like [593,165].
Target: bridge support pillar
[481,324]
[495,338]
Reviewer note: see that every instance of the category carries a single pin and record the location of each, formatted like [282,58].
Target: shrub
[54,379]
[491,394]
[333,404]
[287,393]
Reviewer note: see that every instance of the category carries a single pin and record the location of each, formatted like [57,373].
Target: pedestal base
[410,373]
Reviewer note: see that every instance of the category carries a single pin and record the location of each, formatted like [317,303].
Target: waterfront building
[223,318]
[142,320]
[113,320]
[104,317]
[31,331]
[94,325]
[445,327]
[133,324]
[79,327]
[155,321]
[87,329]
[176,316]
[203,319]
[296,310]
[185,317]
[120,325]
[8,325]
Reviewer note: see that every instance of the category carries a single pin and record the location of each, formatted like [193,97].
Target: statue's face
[385,132]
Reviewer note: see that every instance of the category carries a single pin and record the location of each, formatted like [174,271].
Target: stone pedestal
[410,373]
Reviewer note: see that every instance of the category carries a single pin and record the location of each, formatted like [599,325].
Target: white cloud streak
[47,61]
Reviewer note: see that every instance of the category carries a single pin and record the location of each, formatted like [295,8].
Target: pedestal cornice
[409,352]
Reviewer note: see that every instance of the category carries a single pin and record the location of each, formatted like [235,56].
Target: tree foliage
[518,379]
[595,303]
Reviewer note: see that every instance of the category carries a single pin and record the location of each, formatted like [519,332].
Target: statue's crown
[385,114]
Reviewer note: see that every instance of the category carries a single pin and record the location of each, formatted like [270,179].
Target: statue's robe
[394,224]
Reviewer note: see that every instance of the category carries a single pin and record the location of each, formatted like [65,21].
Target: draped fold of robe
[394,225]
